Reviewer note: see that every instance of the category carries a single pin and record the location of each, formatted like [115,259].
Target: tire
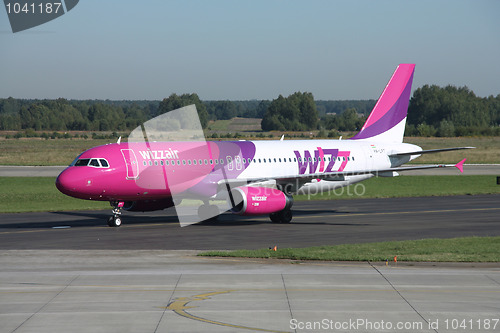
[208,212]
[275,217]
[114,222]
[285,216]
[110,221]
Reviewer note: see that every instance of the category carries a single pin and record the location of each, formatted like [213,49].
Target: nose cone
[77,183]
[65,184]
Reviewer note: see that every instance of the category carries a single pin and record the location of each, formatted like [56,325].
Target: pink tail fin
[386,122]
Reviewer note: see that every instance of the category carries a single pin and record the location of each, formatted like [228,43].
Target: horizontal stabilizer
[420,152]
[460,165]
[391,172]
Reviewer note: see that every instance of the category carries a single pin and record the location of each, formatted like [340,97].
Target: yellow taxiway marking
[179,306]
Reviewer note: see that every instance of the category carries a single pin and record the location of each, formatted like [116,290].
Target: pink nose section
[63,183]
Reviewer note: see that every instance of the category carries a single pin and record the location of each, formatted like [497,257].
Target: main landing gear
[115,220]
[283,216]
[208,212]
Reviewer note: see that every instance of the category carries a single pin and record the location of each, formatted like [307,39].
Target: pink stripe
[391,93]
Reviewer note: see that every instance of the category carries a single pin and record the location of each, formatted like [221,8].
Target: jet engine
[248,200]
[148,205]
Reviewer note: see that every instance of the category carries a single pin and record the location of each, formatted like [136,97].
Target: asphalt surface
[69,272]
[51,291]
[314,223]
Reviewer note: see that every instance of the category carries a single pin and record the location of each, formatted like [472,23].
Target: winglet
[460,165]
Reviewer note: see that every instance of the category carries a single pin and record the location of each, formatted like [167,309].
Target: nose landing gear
[115,220]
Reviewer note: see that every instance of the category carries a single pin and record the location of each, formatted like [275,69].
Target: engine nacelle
[250,200]
[148,205]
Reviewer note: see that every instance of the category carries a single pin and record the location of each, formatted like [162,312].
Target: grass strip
[30,194]
[467,249]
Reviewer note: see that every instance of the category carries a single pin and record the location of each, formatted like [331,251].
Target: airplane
[251,177]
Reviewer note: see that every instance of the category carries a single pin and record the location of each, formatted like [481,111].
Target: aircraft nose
[64,183]
[75,182]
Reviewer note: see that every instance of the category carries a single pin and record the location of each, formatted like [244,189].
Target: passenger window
[166,162]
[237,159]
[194,162]
[189,162]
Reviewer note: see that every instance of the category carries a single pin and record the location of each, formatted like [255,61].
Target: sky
[251,49]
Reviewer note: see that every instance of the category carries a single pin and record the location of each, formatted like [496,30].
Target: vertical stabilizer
[386,122]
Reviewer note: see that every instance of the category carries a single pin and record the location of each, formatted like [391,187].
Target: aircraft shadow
[77,219]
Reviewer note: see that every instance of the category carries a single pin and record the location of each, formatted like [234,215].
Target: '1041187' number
[42,8]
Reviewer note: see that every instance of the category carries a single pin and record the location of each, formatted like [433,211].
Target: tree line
[433,111]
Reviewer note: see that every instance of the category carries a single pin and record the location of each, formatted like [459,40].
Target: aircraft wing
[429,151]
[333,175]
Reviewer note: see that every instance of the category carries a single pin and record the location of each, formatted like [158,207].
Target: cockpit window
[94,162]
[82,162]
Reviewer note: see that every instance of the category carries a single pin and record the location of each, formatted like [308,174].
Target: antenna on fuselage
[119,140]
[282,137]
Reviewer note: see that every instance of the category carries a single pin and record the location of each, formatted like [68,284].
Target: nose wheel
[115,220]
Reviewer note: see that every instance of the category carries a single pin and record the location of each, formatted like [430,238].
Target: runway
[68,271]
[315,223]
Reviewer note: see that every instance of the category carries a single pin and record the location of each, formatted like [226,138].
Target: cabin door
[131,163]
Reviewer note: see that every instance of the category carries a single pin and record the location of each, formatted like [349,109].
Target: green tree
[175,101]
[297,112]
